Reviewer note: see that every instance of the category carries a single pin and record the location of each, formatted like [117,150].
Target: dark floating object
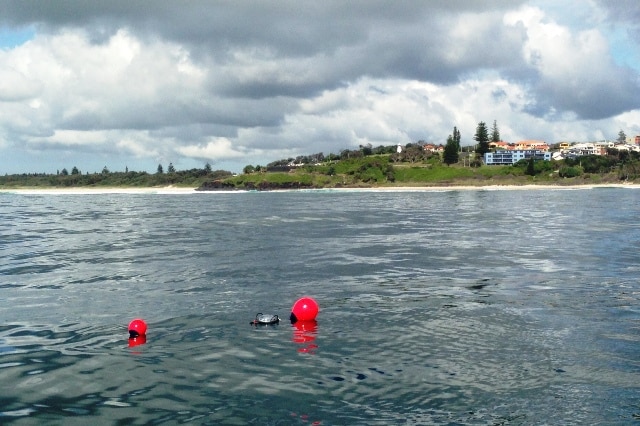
[265,319]
[477,286]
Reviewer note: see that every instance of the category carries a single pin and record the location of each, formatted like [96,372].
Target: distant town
[489,162]
[505,153]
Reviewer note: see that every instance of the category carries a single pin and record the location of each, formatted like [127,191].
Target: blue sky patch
[10,38]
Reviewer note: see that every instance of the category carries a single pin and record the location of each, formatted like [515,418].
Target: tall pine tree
[482,137]
[450,151]
[622,137]
[495,134]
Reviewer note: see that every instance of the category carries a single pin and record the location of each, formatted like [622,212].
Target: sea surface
[456,307]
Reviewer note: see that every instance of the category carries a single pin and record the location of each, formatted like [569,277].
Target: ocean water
[460,307]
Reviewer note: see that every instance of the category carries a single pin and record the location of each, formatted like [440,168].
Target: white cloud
[15,86]
[218,148]
[72,138]
[575,70]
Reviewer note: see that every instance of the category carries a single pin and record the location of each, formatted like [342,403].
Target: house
[529,145]
[430,147]
[585,148]
[499,145]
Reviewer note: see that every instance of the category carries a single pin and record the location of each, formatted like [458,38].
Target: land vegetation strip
[358,171]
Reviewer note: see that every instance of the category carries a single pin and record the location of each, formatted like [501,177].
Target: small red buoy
[137,327]
[305,309]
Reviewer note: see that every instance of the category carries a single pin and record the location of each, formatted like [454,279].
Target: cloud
[622,11]
[220,148]
[15,86]
[573,70]
[251,82]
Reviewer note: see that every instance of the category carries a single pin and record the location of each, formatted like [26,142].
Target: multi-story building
[506,157]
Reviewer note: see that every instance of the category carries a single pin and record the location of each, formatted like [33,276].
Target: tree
[171,169]
[366,149]
[412,153]
[495,133]
[248,169]
[105,170]
[531,170]
[64,172]
[622,137]
[207,168]
[450,151]
[75,171]
[456,138]
[160,169]
[482,138]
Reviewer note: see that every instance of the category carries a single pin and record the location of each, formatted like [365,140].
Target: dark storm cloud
[170,114]
[593,99]
[379,38]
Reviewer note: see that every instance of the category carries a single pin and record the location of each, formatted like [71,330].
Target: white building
[507,157]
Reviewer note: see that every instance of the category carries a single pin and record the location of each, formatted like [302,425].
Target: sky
[131,85]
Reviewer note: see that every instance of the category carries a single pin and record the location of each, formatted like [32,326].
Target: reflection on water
[458,307]
[304,334]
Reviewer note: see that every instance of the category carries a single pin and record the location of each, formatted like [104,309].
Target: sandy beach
[182,190]
[93,190]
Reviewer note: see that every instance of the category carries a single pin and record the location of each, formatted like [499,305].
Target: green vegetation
[482,137]
[452,148]
[495,133]
[187,178]
[365,167]
[414,167]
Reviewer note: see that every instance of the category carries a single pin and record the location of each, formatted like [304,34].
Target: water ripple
[454,307]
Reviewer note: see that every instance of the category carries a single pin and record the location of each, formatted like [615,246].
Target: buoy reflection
[304,335]
[138,340]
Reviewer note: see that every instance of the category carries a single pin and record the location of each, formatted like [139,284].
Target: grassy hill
[375,170]
[379,171]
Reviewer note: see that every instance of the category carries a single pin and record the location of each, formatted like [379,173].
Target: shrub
[570,171]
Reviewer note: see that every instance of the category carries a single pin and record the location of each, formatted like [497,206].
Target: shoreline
[79,190]
[168,190]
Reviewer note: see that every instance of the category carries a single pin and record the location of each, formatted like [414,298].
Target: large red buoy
[137,327]
[305,309]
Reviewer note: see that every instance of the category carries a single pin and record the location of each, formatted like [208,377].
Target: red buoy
[305,309]
[137,327]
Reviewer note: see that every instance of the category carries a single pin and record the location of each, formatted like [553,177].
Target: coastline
[495,187]
[168,190]
[93,190]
